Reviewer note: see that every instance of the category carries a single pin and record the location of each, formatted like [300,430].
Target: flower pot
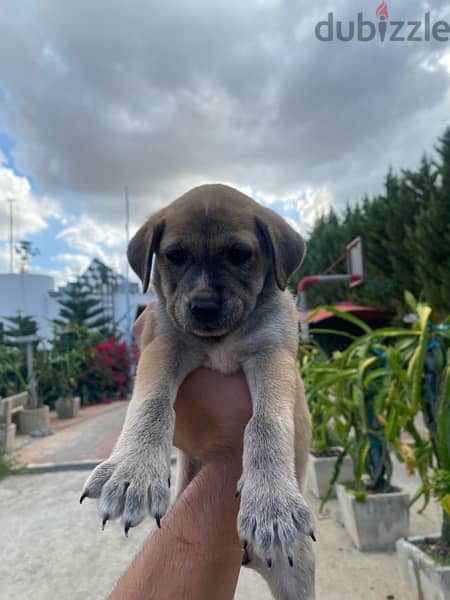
[67,408]
[377,523]
[34,419]
[426,579]
[320,472]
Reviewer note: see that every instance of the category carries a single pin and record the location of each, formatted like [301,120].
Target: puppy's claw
[291,561]
[237,494]
[127,528]
[158,520]
[244,545]
[105,520]
[312,536]
[269,562]
[83,496]
[168,483]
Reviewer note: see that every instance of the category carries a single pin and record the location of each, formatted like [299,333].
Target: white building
[28,294]
[35,295]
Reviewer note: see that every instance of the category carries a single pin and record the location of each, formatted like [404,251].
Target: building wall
[29,294]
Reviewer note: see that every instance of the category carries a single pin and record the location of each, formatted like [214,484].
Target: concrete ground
[90,436]
[53,548]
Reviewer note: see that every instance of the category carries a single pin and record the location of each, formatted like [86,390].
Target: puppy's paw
[131,488]
[273,514]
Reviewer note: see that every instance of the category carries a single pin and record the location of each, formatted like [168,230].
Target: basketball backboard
[355,262]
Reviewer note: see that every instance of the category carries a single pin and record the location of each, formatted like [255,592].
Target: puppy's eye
[177,257]
[238,256]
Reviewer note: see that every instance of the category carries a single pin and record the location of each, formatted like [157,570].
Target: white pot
[34,419]
[426,579]
[7,436]
[68,408]
[377,523]
[320,472]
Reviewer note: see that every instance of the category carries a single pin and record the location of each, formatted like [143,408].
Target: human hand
[212,410]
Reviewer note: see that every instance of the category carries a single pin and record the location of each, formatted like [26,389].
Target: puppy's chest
[225,357]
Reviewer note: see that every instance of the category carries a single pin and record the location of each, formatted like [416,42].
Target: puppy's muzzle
[205,310]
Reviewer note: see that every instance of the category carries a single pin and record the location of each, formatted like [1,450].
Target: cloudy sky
[162,96]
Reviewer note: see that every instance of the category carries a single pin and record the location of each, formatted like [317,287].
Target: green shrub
[370,396]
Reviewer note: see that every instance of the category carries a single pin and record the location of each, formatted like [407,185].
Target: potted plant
[425,561]
[67,405]
[34,418]
[325,445]
[374,512]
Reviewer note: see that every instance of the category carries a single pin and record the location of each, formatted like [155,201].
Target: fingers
[138,325]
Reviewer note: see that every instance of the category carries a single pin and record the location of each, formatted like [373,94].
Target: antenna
[25,250]
[11,236]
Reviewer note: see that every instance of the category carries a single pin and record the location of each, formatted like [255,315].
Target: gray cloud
[165,95]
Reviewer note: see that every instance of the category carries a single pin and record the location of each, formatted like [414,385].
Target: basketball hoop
[354,277]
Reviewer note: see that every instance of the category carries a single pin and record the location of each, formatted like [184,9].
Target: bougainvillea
[108,375]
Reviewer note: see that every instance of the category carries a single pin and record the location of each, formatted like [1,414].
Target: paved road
[52,548]
[90,437]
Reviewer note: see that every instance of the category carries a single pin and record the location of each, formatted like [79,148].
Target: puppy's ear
[285,246]
[143,245]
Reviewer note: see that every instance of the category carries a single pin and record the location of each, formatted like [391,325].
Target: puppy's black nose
[205,310]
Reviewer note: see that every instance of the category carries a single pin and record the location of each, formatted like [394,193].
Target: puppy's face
[216,249]
[210,270]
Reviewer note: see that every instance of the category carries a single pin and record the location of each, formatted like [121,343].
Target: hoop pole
[342,257]
[303,310]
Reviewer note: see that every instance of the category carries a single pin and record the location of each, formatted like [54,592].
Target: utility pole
[11,236]
[127,282]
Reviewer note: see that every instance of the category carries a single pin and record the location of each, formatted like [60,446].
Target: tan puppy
[222,263]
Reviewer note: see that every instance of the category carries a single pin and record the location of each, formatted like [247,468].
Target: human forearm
[196,555]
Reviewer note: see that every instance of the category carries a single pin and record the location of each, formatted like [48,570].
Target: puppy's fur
[222,263]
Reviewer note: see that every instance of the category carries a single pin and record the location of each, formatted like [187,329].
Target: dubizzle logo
[383,30]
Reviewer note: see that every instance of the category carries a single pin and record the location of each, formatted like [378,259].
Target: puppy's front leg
[273,512]
[134,480]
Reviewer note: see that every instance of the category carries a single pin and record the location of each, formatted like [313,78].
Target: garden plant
[370,396]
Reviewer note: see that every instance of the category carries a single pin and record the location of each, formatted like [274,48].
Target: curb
[82,465]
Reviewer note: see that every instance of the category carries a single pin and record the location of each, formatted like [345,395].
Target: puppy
[222,263]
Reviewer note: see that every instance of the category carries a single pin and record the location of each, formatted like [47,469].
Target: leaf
[443,422]
[445,503]
[348,317]
[417,363]
[409,456]
[410,301]
[320,331]
[375,374]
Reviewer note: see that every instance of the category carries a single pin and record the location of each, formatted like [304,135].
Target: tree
[19,326]
[78,305]
[430,240]
[326,242]
[406,239]
[13,369]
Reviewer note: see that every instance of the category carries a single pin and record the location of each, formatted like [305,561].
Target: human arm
[196,555]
